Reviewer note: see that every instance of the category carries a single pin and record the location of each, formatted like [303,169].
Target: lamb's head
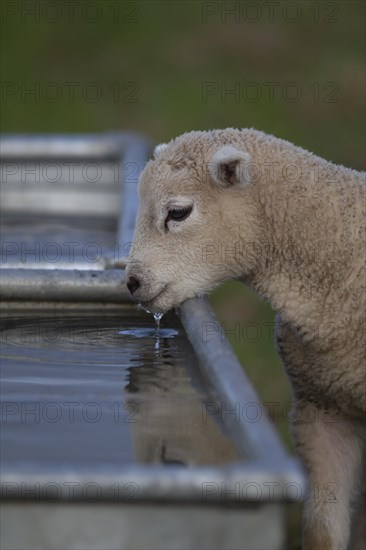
[196,207]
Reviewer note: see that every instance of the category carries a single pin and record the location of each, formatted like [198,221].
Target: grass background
[151,59]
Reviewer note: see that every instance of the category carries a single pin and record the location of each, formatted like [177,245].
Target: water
[157,317]
[93,388]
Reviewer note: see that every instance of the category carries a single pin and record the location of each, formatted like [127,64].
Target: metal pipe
[109,145]
[154,483]
[63,284]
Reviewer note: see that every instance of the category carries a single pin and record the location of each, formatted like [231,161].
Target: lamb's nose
[132,284]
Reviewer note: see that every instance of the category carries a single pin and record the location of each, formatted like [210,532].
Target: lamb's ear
[159,148]
[227,166]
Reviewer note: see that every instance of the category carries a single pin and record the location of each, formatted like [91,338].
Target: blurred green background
[166,67]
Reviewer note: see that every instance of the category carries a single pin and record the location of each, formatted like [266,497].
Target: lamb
[241,204]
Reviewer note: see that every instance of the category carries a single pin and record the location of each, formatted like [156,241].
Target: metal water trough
[236,505]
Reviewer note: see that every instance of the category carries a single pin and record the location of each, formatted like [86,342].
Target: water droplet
[157,317]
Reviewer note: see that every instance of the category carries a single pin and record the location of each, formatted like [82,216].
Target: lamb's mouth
[149,304]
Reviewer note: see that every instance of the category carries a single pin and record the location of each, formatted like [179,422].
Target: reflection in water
[111,389]
[173,426]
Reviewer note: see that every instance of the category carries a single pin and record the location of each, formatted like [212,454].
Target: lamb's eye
[178,214]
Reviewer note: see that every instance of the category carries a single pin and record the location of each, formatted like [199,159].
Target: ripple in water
[139,332]
[84,341]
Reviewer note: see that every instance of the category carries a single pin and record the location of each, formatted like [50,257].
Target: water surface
[91,389]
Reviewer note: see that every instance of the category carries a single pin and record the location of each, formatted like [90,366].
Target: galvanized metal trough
[199,473]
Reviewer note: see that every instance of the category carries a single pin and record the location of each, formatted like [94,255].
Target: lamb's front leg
[331,448]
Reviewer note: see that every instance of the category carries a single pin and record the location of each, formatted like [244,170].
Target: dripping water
[157,318]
